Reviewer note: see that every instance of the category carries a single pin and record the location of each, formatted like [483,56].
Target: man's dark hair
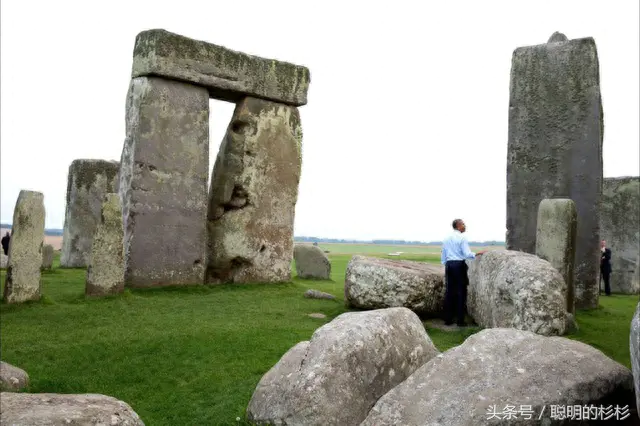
[455,223]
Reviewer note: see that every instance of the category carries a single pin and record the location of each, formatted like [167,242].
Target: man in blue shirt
[455,250]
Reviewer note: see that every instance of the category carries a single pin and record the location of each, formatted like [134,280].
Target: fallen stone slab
[634,347]
[505,376]
[337,376]
[49,409]
[374,283]
[227,74]
[87,183]
[315,294]
[22,282]
[311,262]
[12,378]
[516,289]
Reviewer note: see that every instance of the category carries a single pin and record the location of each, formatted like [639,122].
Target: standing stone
[227,74]
[254,189]
[620,228]
[105,274]
[87,182]
[555,149]
[311,262]
[25,251]
[634,346]
[47,256]
[556,240]
[163,183]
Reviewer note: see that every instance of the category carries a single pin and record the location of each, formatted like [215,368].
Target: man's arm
[443,255]
[607,253]
[468,254]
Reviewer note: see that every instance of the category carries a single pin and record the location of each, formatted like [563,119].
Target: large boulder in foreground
[499,367]
[337,376]
[516,289]
[12,378]
[311,262]
[634,346]
[49,409]
[373,283]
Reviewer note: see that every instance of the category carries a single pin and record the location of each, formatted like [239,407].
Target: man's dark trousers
[455,296]
[605,271]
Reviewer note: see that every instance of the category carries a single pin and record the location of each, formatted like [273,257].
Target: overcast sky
[406,125]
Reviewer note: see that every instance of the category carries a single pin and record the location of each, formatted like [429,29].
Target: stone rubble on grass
[12,378]
[316,294]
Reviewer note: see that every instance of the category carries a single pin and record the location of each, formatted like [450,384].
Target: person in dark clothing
[605,266]
[5,243]
[455,250]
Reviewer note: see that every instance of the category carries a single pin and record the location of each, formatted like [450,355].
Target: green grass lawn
[193,356]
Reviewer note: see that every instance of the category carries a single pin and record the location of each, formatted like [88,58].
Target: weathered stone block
[22,282]
[499,367]
[12,378]
[518,290]
[337,376]
[105,274]
[227,74]
[163,182]
[87,183]
[373,283]
[555,148]
[47,256]
[311,262]
[49,409]
[556,240]
[254,189]
[620,227]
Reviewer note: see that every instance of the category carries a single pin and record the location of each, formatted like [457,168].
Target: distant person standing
[605,266]
[455,250]
[5,243]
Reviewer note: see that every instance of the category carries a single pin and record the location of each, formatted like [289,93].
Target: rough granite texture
[227,74]
[337,376]
[556,240]
[555,149]
[22,282]
[634,347]
[87,182]
[518,290]
[12,378]
[163,183]
[52,409]
[311,262]
[499,367]
[620,227]
[254,189]
[105,273]
[47,257]
[372,283]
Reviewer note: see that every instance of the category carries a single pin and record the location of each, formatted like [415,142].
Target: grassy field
[194,355]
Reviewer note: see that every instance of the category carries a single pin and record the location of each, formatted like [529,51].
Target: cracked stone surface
[337,376]
[516,289]
[163,183]
[502,366]
[22,282]
[254,190]
[373,283]
[87,183]
[49,409]
[555,149]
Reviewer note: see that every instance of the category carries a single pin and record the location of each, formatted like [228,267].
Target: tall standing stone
[87,183]
[163,182]
[254,189]
[105,274]
[620,227]
[555,148]
[556,240]
[47,256]
[25,251]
